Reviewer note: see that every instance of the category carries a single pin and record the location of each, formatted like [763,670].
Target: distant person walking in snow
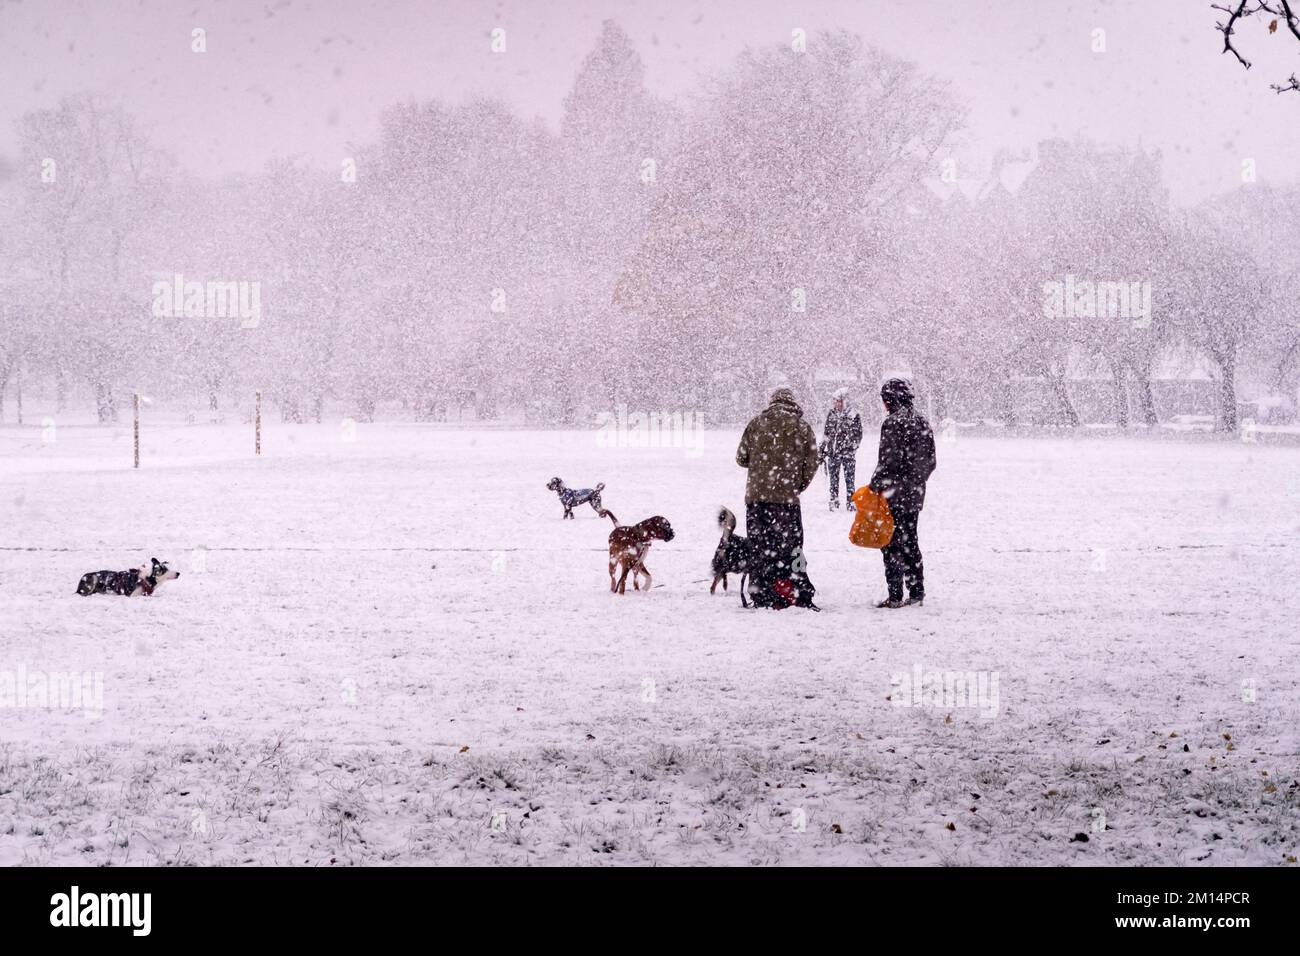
[840,440]
[906,461]
[779,449]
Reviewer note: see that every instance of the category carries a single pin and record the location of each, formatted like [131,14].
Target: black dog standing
[572,497]
[907,459]
[733,555]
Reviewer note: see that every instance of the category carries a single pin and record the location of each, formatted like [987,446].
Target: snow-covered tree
[1095,218]
[461,194]
[1216,296]
[1264,219]
[758,260]
[91,182]
[614,152]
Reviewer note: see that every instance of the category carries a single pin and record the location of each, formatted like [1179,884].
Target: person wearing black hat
[906,461]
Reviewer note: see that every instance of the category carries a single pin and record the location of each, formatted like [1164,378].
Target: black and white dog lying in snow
[732,556]
[143,580]
[570,498]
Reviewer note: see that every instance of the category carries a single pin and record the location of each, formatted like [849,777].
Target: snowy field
[393,650]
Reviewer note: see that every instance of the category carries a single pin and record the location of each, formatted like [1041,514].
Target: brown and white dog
[628,546]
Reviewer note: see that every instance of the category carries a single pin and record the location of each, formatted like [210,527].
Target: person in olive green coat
[779,450]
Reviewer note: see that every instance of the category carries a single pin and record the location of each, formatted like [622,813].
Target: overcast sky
[308,77]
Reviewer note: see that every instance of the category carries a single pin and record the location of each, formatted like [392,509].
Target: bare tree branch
[1226,29]
[1292,23]
[1279,10]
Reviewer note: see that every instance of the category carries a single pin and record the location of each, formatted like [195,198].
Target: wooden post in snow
[136,429]
[257,423]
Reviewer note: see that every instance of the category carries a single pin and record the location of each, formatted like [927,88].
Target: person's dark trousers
[903,558]
[775,535]
[850,466]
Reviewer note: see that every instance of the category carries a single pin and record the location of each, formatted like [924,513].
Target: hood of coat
[897,393]
[783,400]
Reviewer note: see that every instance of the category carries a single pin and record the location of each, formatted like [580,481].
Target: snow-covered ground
[392,649]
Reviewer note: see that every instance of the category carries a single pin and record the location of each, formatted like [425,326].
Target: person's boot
[835,505]
[850,506]
[891,603]
[917,599]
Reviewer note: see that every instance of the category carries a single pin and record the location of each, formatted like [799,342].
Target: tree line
[798,214]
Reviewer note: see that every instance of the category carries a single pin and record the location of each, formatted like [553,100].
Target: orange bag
[873,527]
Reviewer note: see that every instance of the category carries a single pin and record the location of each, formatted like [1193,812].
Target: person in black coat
[840,441]
[906,461]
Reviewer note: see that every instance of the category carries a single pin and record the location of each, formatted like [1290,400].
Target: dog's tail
[606,513]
